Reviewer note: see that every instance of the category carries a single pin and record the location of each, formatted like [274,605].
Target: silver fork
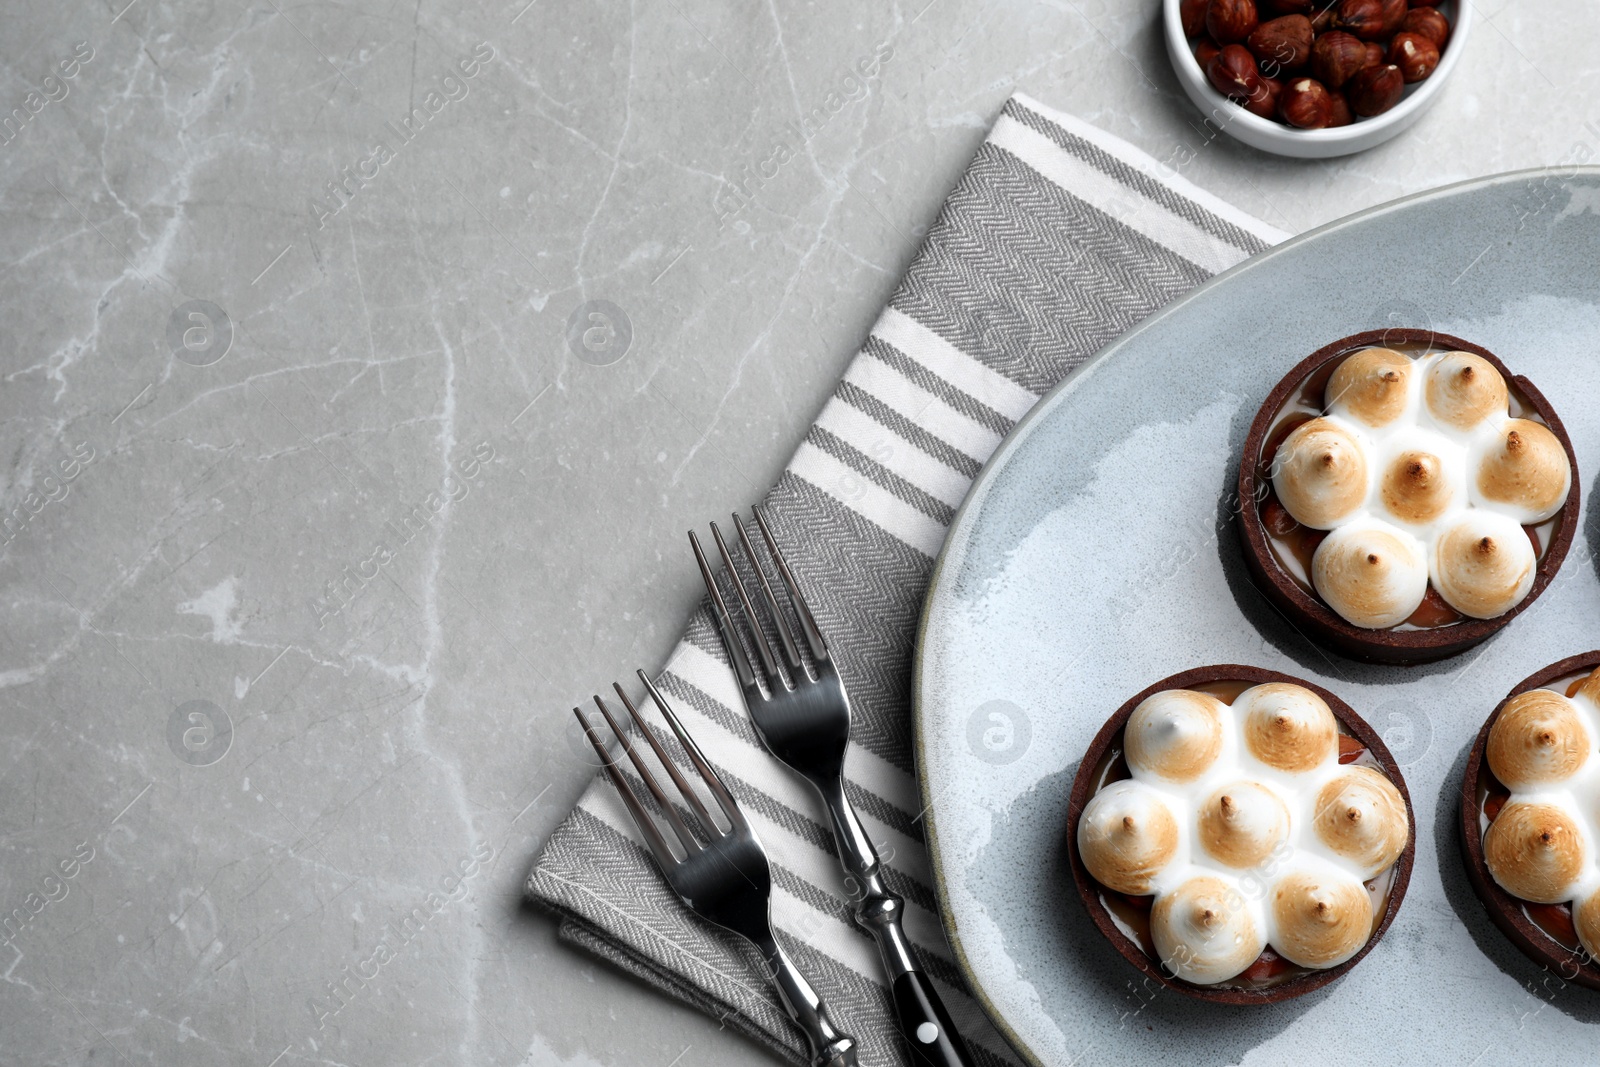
[726,880]
[805,722]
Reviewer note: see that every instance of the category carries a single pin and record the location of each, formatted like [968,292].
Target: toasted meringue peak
[1241,824]
[1586,917]
[1535,851]
[1320,918]
[1287,726]
[1203,931]
[1416,487]
[1484,565]
[1372,574]
[1361,816]
[1527,470]
[1370,386]
[1175,735]
[1464,389]
[1126,836]
[1320,473]
[1538,737]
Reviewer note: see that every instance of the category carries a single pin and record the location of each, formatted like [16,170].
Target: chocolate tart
[1117,921]
[1404,644]
[1536,929]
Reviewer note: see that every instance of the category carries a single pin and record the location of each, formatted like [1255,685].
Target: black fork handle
[930,1037]
[925,1025]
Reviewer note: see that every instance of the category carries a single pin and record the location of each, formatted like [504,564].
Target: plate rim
[972,502]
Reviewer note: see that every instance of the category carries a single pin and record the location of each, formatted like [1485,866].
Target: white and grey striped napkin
[1058,239]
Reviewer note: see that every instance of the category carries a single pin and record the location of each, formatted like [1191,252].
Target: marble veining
[360,368]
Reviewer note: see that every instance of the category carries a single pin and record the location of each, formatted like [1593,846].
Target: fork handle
[930,1037]
[830,1047]
[925,1024]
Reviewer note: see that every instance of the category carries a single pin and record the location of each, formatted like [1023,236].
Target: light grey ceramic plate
[1096,554]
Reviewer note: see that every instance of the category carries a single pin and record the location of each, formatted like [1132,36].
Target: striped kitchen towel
[1058,238]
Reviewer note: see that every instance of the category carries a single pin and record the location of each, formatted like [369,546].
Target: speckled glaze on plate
[1096,554]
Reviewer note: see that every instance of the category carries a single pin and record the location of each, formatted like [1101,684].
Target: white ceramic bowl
[1272,136]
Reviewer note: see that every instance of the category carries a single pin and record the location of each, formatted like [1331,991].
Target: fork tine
[725,627]
[671,768]
[641,818]
[690,845]
[808,622]
[779,617]
[708,773]
[769,659]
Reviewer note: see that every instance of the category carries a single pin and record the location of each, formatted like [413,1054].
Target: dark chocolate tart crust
[1307,612]
[1504,909]
[1089,890]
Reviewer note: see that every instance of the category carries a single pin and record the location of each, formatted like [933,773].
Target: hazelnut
[1231,21]
[1414,54]
[1264,102]
[1284,41]
[1233,72]
[1336,56]
[1193,15]
[1323,17]
[1394,13]
[1290,7]
[1375,90]
[1306,104]
[1339,109]
[1205,51]
[1425,3]
[1364,18]
[1376,57]
[1429,22]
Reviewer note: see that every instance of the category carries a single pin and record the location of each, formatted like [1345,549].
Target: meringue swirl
[1526,471]
[1241,824]
[1538,737]
[1361,816]
[1127,836]
[1416,488]
[1320,474]
[1484,565]
[1371,573]
[1287,727]
[1320,918]
[1203,931]
[1535,851]
[1174,735]
[1372,386]
[1464,389]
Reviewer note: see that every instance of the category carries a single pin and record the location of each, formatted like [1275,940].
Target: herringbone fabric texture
[1058,239]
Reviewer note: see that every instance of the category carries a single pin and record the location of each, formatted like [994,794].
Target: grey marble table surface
[363,365]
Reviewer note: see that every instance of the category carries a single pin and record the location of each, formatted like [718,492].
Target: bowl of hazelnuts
[1314,78]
